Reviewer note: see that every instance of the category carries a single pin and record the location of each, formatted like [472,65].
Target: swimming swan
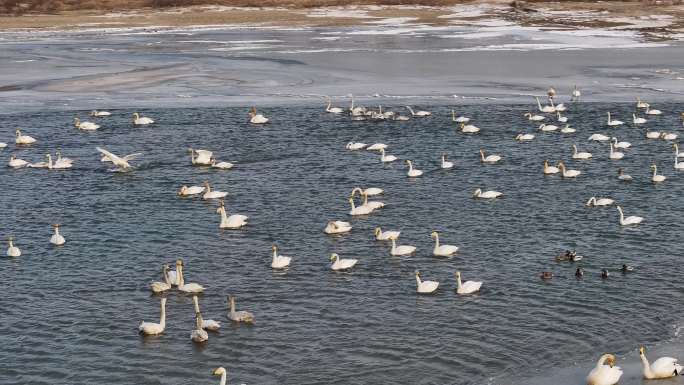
[550,169]
[192,190]
[599,137]
[612,122]
[23,139]
[546,109]
[377,147]
[657,178]
[469,129]
[620,145]
[547,127]
[664,367]
[239,316]
[333,110]
[191,288]
[234,221]
[386,158]
[418,113]
[445,164]
[413,173]
[361,210]
[595,202]
[15,162]
[220,372]
[12,251]
[198,334]
[141,121]
[460,119]
[255,118]
[386,235]
[151,328]
[442,250]
[121,163]
[57,239]
[401,250]
[534,118]
[605,374]
[489,158]
[200,157]
[85,126]
[99,114]
[206,324]
[425,287]
[279,261]
[341,264]
[486,194]
[567,173]
[631,220]
[615,155]
[580,155]
[467,287]
[524,137]
[353,146]
[208,194]
[337,227]
[160,287]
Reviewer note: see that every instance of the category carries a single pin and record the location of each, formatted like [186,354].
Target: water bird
[377,147]
[567,130]
[599,137]
[612,122]
[657,178]
[546,275]
[604,374]
[121,163]
[445,164]
[561,118]
[360,210]
[664,367]
[279,261]
[337,227]
[489,158]
[638,120]
[15,162]
[353,146]
[534,118]
[160,287]
[241,316]
[641,104]
[668,136]
[419,113]
[567,173]
[425,287]
[615,155]
[620,145]
[386,158]
[151,328]
[401,250]
[677,165]
[12,251]
[650,111]
[191,190]
[333,110]
[442,250]
[580,155]
[255,118]
[198,334]
[467,287]
[372,191]
[575,94]
[190,288]
[545,109]
[385,235]
[604,273]
[200,157]
[57,239]
[460,119]
[60,164]
[141,121]
[412,172]
[550,169]
[524,137]
[579,272]
[626,269]
[85,126]
[547,127]
[209,194]
[206,324]
[222,373]
[631,220]
[596,202]
[22,139]
[624,177]
[490,194]
[341,264]
[234,221]
[3,145]
[677,153]
[221,165]
[469,129]
[99,114]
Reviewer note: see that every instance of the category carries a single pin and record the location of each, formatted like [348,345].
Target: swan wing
[132,156]
[115,159]
[664,366]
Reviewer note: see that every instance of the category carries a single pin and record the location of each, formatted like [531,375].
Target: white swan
[615,155]
[442,250]
[656,178]
[99,114]
[469,129]
[412,172]
[206,324]
[460,119]
[377,147]
[279,261]
[534,118]
[198,334]
[361,210]
[668,136]
[550,169]
[353,146]
[141,121]
[624,177]
[59,165]
[23,139]
[631,220]
[599,138]
[192,190]
[186,287]
[239,316]
[209,194]
[547,127]
[491,194]
[234,221]
[622,145]
[425,287]
[419,113]
[490,158]
[653,134]
[371,191]
[15,162]
[200,157]
[605,374]
[576,94]
[333,110]
[386,158]
[151,328]
[580,155]
[467,287]
[649,111]
[568,173]
[401,250]
[641,104]
[386,235]
[677,165]
[664,367]
[341,264]
[160,287]
[445,164]
[546,109]
[596,202]
[12,251]
[524,137]
[356,111]
[337,227]
[121,163]
[173,274]
[612,122]
[220,372]
[567,130]
[3,145]
[638,120]
[374,205]
[57,239]
[85,126]
[561,118]
[255,118]
[221,165]
[38,165]
[401,118]
[559,107]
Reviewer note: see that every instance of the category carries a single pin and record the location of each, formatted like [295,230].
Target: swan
[559,107]
[15,162]
[546,109]
[551,93]
[151,328]
[460,119]
[121,163]
[419,113]
[469,129]
[486,194]
[62,162]
[160,287]
[192,190]
[341,264]
[624,177]
[141,121]
[534,118]
[657,178]
[279,261]
[220,372]
[631,220]
[377,147]
[3,145]
[386,235]
[401,250]
[638,120]
[445,164]
[677,165]
[580,155]
[664,367]
[613,122]
[371,191]
[401,118]
[605,374]
[23,139]
[374,205]
[567,173]
[576,94]
[668,136]
[57,239]
[489,158]
[467,287]
[599,138]
[198,334]
[353,146]
[333,110]
[561,118]
[386,158]
[182,286]
[98,114]
[337,227]
[12,251]
[200,157]
[38,165]
[596,202]
[524,137]
[234,221]
[356,111]
[221,165]
[567,130]
[550,169]
[649,111]
[412,173]
[641,104]
[425,287]
[208,194]
[255,118]
[547,127]
[361,210]
[239,316]
[615,155]
[59,165]
[173,274]
[622,145]
[442,250]
[85,126]
[206,324]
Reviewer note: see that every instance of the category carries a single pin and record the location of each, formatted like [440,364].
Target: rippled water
[70,314]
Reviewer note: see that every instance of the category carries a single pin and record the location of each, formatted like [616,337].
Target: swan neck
[436,241]
[394,245]
[647,367]
[179,274]
[162,317]
[232,305]
[458,281]
[418,280]
[196,303]
[223,379]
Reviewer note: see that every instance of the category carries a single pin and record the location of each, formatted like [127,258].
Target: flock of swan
[605,372]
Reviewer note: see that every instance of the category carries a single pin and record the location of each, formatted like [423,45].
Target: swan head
[605,274]
[13,157]
[642,350]
[56,225]
[334,257]
[165,268]
[218,371]
[17,133]
[654,167]
[377,231]
[274,248]
[408,162]
[183,189]
[434,234]
[477,192]
[179,262]
[458,274]
[518,137]
[77,121]
[136,116]
[462,124]
[528,115]
[417,273]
